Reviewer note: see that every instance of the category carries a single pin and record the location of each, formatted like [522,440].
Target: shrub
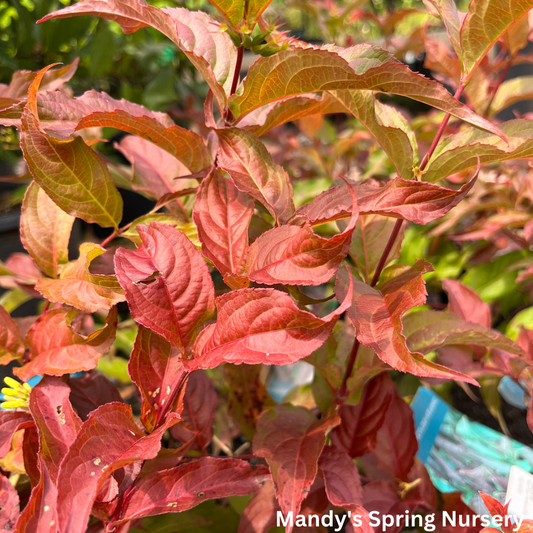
[226,277]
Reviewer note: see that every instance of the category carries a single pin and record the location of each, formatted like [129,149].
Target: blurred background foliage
[145,67]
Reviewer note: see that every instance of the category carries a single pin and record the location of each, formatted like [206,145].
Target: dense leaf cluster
[232,272]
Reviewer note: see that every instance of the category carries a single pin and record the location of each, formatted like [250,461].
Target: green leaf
[495,279]
[460,151]
[232,10]
[492,399]
[523,319]
[390,129]
[484,24]
[114,367]
[255,9]
[362,67]
[70,172]
[13,299]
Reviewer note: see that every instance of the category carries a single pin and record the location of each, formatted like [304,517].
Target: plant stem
[442,127]
[237,73]
[343,389]
[107,240]
[386,252]
[162,412]
[236,78]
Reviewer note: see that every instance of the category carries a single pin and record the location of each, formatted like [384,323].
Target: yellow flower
[16,395]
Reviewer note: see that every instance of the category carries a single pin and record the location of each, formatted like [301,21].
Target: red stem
[162,412]
[343,389]
[238,65]
[236,78]
[442,127]
[386,252]
[107,240]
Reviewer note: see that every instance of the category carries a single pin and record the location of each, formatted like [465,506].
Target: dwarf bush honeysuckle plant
[226,277]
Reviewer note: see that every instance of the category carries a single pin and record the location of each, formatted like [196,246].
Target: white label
[520,493]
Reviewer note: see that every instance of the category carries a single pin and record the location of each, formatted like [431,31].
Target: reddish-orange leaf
[184,487]
[167,283]
[79,288]
[91,391]
[259,516]
[261,326]
[244,157]
[416,201]
[156,368]
[222,215]
[56,349]
[107,441]
[377,318]
[396,444]
[57,423]
[52,80]
[186,146]
[153,170]
[199,407]
[341,478]
[11,341]
[10,423]
[356,434]
[291,439]
[9,504]
[265,118]
[208,48]
[466,304]
[297,256]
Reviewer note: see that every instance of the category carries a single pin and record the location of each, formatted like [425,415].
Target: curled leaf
[377,318]
[56,349]
[79,288]
[244,157]
[416,201]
